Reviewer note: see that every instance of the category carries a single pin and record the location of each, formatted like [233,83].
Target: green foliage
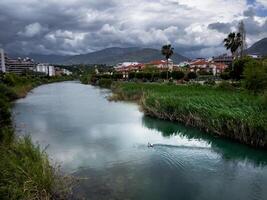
[167,51]
[225,86]
[231,113]
[255,74]
[209,82]
[238,68]
[118,76]
[177,75]
[163,74]
[139,75]
[105,83]
[225,76]
[191,75]
[25,172]
[131,75]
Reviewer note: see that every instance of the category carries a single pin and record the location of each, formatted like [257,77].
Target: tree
[167,51]
[233,42]
[191,75]
[255,76]
[177,75]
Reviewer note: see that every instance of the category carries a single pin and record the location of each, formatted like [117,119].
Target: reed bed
[231,113]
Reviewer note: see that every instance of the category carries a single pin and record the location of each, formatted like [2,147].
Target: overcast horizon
[195,28]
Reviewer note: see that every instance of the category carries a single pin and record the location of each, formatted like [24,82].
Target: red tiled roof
[199,62]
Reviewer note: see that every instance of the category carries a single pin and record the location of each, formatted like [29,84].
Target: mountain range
[109,56]
[259,47]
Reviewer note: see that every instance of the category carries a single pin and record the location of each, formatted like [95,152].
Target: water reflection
[228,149]
[105,143]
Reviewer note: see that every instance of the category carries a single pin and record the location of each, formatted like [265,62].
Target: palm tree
[167,51]
[233,42]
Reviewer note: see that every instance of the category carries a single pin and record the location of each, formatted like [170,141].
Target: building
[162,64]
[17,66]
[208,66]
[218,68]
[45,69]
[128,67]
[226,59]
[199,65]
[61,71]
[3,63]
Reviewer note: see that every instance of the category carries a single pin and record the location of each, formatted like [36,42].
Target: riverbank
[25,169]
[226,112]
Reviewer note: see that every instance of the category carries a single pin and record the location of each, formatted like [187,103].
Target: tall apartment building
[2,59]
[17,66]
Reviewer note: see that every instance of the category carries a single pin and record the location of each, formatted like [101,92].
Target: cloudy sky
[195,28]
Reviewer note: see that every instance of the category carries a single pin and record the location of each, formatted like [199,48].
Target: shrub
[177,75]
[209,82]
[131,75]
[225,76]
[255,74]
[225,86]
[148,75]
[139,75]
[105,83]
[163,74]
[191,75]
[7,92]
[10,79]
[118,76]
[238,68]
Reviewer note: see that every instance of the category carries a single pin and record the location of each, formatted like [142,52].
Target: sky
[195,28]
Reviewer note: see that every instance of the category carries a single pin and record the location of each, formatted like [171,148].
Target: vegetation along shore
[235,108]
[25,169]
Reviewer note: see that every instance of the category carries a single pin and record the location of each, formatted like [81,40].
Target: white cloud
[32,30]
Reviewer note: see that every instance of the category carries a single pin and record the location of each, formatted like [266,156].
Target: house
[162,64]
[199,65]
[218,68]
[226,59]
[208,66]
[127,67]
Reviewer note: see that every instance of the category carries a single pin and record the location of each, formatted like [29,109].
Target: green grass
[25,170]
[230,113]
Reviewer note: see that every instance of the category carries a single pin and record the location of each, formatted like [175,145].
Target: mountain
[116,55]
[259,47]
[109,56]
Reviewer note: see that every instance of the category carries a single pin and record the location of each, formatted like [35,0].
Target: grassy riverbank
[25,170]
[223,111]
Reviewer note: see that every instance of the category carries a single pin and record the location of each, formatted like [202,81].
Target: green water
[105,144]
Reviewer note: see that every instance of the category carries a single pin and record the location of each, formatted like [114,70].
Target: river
[105,144]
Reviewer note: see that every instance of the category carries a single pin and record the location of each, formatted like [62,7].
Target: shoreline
[25,169]
[227,127]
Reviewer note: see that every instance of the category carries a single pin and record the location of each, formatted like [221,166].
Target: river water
[105,144]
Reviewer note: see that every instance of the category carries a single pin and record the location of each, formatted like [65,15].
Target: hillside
[259,47]
[109,56]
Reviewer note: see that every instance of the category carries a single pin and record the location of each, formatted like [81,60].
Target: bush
[148,75]
[139,75]
[225,86]
[191,75]
[7,92]
[163,75]
[177,75]
[239,65]
[131,75]
[225,76]
[118,76]
[105,83]
[209,82]
[10,79]
[255,75]
[203,72]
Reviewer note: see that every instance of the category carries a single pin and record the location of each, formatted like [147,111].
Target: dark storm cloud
[81,26]
[221,27]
